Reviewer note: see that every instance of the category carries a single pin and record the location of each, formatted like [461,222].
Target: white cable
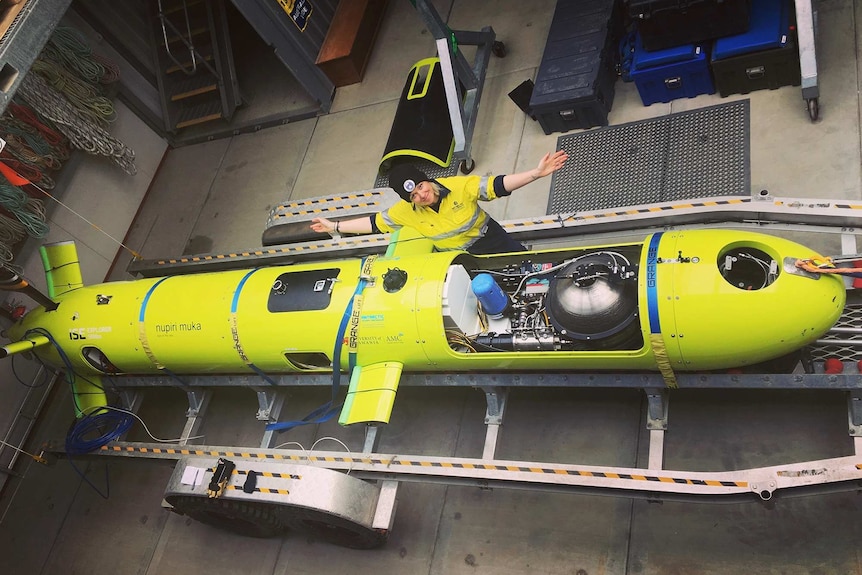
[146,429]
[336,440]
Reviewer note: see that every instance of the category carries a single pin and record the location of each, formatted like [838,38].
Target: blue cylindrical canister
[494,301]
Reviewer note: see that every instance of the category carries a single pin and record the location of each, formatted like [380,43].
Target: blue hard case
[672,73]
[769,27]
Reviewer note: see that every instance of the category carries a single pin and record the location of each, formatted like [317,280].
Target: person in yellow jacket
[446,210]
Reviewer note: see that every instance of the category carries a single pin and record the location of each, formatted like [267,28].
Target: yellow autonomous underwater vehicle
[676,301]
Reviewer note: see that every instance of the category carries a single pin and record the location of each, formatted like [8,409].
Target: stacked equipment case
[574,86]
[763,57]
[668,23]
[671,73]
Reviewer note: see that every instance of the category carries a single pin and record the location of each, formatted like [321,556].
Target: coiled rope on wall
[30,212]
[61,103]
[71,67]
[82,133]
[33,147]
[66,86]
[69,48]
[80,94]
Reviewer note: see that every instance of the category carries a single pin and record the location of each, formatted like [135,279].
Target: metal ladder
[197,78]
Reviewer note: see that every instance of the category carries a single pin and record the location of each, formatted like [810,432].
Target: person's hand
[550,163]
[322,225]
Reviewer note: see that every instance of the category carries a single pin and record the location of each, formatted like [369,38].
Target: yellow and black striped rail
[395,464]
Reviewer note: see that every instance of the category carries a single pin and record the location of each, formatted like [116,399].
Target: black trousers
[495,241]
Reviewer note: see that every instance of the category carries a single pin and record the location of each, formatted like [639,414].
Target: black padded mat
[688,155]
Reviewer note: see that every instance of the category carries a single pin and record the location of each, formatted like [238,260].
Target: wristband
[336,227]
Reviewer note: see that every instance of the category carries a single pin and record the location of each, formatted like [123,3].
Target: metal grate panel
[844,341]
[697,154]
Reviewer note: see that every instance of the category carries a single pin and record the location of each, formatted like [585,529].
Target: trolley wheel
[334,529]
[467,166]
[249,518]
[813,109]
[498,49]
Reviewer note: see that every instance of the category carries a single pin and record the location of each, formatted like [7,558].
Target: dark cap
[404,177]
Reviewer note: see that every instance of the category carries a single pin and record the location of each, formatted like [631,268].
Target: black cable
[45,376]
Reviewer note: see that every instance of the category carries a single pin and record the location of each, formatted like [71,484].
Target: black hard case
[668,23]
[767,69]
[574,86]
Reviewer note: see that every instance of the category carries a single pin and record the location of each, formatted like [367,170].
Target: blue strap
[326,411]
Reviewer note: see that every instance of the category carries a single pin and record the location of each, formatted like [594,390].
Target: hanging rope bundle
[12,197]
[34,218]
[82,95]
[11,230]
[112,71]
[29,213]
[33,147]
[58,142]
[6,254]
[32,173]
[22,147]
[83,133]
[69,48]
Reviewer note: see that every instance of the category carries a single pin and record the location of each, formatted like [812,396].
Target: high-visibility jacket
[458,221]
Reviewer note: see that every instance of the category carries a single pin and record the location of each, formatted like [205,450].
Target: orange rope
[827,267]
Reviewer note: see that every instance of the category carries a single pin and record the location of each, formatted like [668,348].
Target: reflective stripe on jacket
[459,220]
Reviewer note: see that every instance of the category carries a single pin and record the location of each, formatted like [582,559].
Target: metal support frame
[24,40]
[496,399]
[854,412]
[130,399]
[372,439]
[805,37]
[656,424]
[199,401]
[646,381]
[463,83]
[269,403]
[384,513]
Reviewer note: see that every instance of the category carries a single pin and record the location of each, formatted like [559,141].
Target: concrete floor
[215,197]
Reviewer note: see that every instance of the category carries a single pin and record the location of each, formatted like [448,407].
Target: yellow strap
[661,359]
[356,312]
[145,345]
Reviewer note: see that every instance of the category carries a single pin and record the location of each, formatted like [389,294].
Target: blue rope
[97,430]
[327,410]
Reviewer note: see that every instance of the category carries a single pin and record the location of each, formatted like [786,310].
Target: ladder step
[194,92]
[206,112]
[187,64]
[201,83]
[195,32]
[178,6]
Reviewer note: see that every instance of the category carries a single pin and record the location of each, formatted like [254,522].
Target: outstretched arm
[549,164]
[355,226]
